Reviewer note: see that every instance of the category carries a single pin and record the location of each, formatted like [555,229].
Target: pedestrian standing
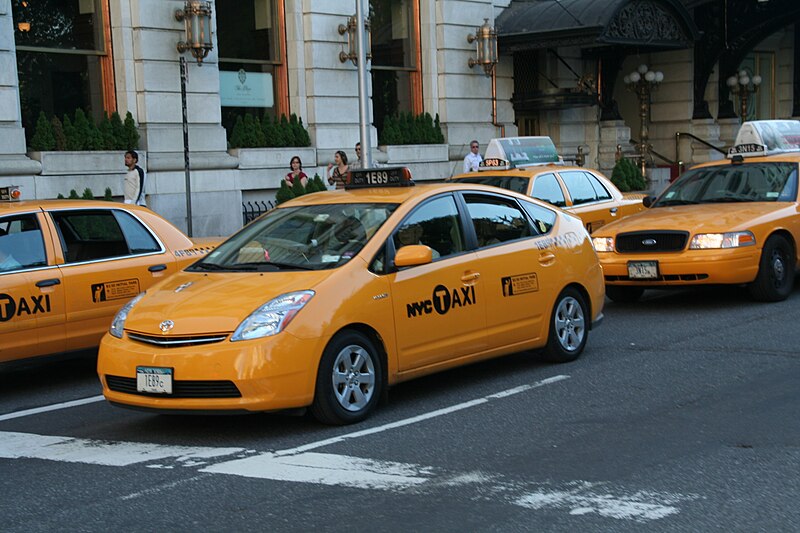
[473,159]
[296,172]
[358,164]
[339,166]
[134,183]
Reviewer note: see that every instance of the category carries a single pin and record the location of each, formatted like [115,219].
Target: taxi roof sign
[10,193]
[379,177]
[523,151]
[765,137]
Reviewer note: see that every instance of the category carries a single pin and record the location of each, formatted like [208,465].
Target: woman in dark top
[339,174]
[296,167]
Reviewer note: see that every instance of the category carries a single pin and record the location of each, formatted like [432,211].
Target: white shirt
[471,162]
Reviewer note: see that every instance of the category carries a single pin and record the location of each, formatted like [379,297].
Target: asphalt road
[683,414]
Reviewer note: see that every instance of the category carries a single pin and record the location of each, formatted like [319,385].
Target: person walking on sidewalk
[473,159]
[134,182]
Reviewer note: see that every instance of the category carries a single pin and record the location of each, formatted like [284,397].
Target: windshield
[511,183]
[299,238]
[753,182]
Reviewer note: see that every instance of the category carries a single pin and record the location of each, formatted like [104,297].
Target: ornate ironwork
[645,22]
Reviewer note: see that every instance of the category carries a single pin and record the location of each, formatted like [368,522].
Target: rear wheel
[624,293]
[348,380]
[568,327]
[776,271]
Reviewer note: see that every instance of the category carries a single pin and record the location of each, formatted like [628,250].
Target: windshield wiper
[725,199]
[663,203]
[281,266]
[208,266]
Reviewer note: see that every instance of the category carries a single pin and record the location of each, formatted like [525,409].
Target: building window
[395,69]
[63,58]
[251,63]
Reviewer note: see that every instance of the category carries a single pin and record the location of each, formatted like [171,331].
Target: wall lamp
[486,37]
[196,15]
[352,40]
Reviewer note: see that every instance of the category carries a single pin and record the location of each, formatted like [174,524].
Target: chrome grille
[651,241]
[180,388]
[175,341]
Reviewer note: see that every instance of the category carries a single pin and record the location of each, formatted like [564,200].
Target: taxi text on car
[331,298]
[67,266]
[532,166]
[735,221]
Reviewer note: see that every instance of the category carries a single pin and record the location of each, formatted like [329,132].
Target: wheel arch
[373,335]
[786,234]
[586,298]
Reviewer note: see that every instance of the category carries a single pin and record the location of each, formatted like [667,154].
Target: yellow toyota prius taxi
[531,166]
[723,222]
[332,297]
[67,266]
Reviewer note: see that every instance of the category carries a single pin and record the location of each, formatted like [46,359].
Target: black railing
[253,210]
[680,134]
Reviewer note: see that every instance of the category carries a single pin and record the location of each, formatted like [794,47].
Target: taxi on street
[735,221]
[330,298]
[531,166]
[67,266]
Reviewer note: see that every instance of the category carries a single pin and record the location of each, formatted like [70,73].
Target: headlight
[118,324]
[603,244]
[733,239]
[272,317]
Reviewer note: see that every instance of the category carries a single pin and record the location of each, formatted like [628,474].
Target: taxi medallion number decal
[520,284]
[643,269]
[115,290]
[154,380]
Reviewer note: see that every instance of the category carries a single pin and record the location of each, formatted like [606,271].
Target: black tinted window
[436,224]
[89,235]
[140,240]
[512,183]
[21,243]
[547,189]
[496,219]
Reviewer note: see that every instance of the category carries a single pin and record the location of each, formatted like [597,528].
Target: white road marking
[54,407]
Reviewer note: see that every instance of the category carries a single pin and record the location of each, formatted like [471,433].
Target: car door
[439,308]
[518,269]
[32,314]
[590,199]
[110,257]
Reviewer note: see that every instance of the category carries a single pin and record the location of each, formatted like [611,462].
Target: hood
[202,303]
[704,218]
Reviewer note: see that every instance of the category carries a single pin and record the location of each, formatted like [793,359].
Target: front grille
[175,341]
[180,389]
[657,241]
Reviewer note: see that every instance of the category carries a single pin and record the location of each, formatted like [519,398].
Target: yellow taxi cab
[67,266]
[332,297]
[531,166]
[735,221]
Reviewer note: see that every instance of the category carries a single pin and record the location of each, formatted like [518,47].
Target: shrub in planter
[44,139]
[405,128]
[284,194]
[130,135]
[58,133]
[298,189]
[268,132]
[81,133]
[627,176]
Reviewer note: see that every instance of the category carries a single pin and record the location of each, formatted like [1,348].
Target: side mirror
[413,255]
[648,200]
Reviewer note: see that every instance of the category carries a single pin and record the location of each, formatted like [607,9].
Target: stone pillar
[708,130]
[728,128]
[613,133]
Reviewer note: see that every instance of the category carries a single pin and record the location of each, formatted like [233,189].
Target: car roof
[787,157]
[530,171]
[35,205]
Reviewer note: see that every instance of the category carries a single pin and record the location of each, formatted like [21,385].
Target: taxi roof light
[515,152]
[766,137]
[379,177]
[12,193]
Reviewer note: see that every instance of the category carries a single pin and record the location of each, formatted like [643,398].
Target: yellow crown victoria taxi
[726,222]
[332,297]
[67,266]
[531,166]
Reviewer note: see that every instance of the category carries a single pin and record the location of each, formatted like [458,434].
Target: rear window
[511,183]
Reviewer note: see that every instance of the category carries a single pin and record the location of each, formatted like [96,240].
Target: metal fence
[253,210]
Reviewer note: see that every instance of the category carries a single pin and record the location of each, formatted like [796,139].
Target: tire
[568,327]
[776,271]
[349,380]
[624,294]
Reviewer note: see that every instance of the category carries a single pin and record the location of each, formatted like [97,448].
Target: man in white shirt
[134,182]
[473,159]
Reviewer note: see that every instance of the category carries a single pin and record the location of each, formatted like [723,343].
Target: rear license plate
[155,380]
[643,269]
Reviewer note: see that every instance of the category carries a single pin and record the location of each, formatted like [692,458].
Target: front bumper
[273,373]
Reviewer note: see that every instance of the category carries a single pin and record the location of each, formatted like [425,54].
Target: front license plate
[155,380]
[643,269]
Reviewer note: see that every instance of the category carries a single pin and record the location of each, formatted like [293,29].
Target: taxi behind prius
[532,166]
[67,266]
[723,222]
[330,298]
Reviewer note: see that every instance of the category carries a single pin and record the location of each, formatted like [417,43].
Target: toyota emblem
[649,242]
[166,325]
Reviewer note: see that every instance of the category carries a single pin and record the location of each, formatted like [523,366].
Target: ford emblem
[649,242]
[166,325]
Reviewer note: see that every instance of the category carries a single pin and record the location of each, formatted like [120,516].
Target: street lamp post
[642,82]
[743,86]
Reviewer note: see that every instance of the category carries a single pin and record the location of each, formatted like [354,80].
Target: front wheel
[568,327]
[776,270]
[348,380]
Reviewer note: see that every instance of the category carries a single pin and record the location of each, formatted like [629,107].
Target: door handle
[613,210]
[157,268]
[470,277]
[547,258]
[48,282]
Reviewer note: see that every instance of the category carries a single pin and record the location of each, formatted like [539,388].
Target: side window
[436,224]
[546,188]
[543,219]
[599,189]
[579,187]
[140,240]
[90,235]
[21,243]
[496,219]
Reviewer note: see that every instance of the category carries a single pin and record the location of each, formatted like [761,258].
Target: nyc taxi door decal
[33,305]
[442,301]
